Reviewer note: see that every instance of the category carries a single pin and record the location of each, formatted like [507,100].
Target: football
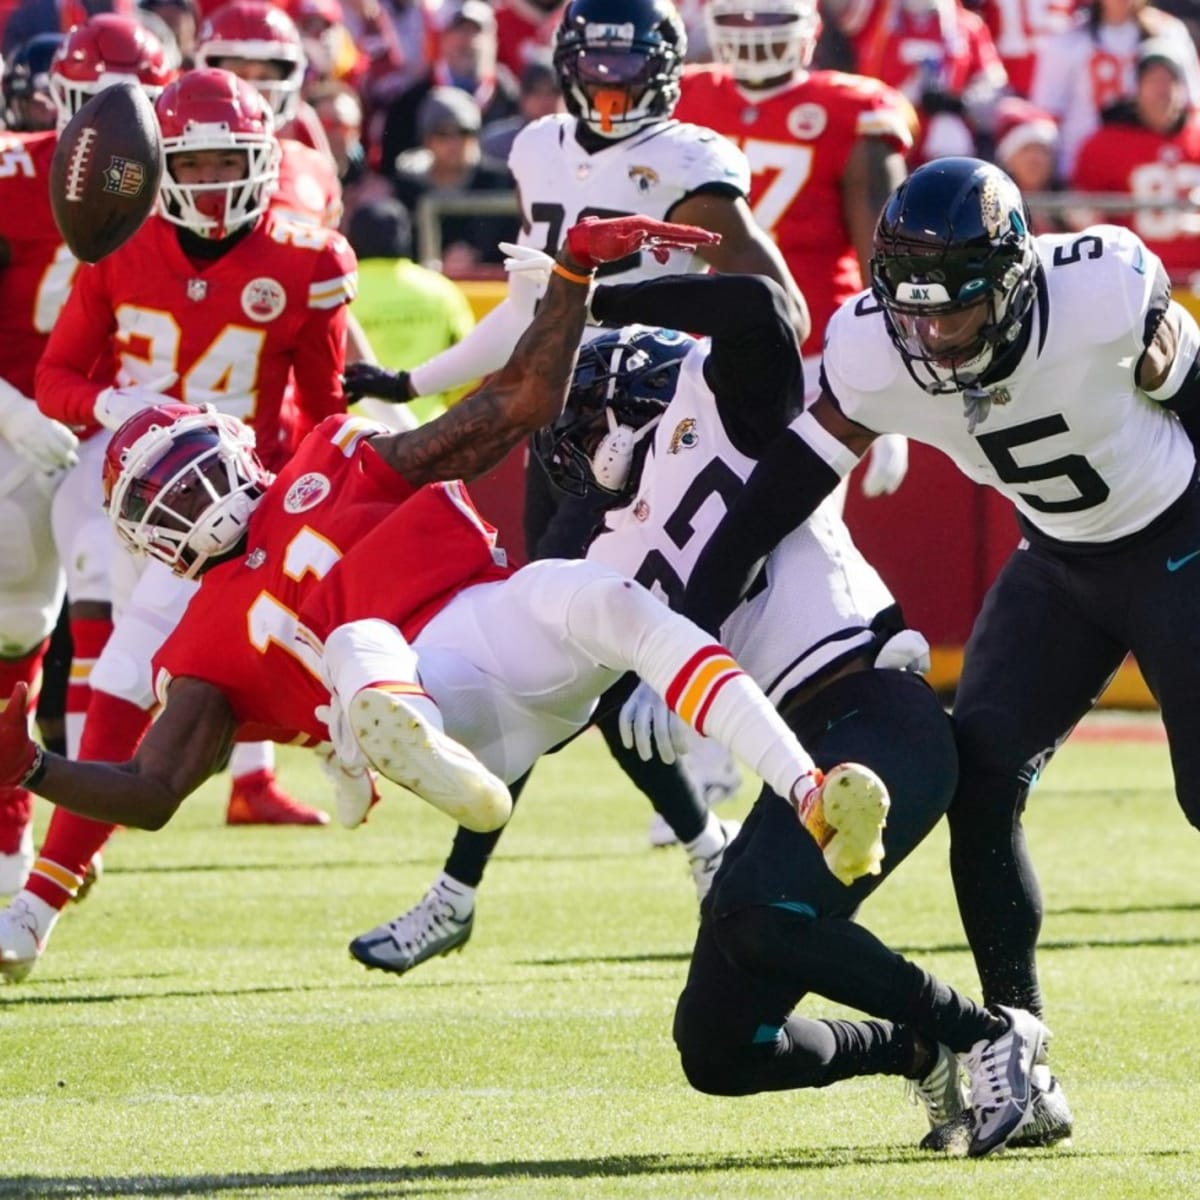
[105,172]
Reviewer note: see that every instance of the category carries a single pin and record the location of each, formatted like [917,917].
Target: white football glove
[906,651]
[46,444]
[528,273]
[115,405]
[345,744]
[354,790]
[887,467]
[645,722]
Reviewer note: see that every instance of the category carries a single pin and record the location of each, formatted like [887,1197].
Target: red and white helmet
[104,50]
[762,40]
[255,31]
[208,109]
[180,484]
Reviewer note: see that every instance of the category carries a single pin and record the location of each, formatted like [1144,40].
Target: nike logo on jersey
[1174,564]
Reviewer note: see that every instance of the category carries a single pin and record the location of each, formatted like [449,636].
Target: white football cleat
[15,868]
[846,814]
[411,750]
[20,944]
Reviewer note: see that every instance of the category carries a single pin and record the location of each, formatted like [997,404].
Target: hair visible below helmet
[180,484]
[104,50]
[622,384]
[26,77]
[954,235]
[257,31]
[619,62]
[762,40]
[209,109]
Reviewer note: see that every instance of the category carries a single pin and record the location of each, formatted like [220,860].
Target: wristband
[36,770]
[571,276]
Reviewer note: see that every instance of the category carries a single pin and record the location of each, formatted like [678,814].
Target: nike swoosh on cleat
[1174,564]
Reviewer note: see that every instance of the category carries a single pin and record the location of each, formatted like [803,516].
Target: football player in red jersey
[293,591]
[825,150]
[238,302]
[36,270]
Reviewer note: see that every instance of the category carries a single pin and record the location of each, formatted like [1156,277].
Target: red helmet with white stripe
[207,110]
[106,49]
[180,484]
[249,35]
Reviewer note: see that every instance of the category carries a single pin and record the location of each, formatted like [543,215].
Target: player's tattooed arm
[529,391]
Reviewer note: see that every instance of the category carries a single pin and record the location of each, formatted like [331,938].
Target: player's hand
[19,753]
[115,405]
[42,442]
[595,241]
[887,466]
[645,722]
[341,736]
[370,379]
[354,790]
[526,261]
[845,812]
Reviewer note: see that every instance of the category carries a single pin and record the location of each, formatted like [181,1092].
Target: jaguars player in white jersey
[615,152]
[1059,371]
[667,430]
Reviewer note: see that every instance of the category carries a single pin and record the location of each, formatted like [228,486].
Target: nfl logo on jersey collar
[197,290]
[977,404]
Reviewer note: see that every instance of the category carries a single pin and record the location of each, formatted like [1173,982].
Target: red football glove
[18,751]
[594,241]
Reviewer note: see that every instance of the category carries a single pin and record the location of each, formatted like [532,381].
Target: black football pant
[778,925]
[1052,631]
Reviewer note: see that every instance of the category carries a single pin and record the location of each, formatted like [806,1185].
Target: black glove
[369,379]
[937,101]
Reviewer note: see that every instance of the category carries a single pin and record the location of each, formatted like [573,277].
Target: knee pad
[124,671]
[364,652]
[24,626]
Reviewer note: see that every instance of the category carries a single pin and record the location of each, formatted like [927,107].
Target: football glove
[370,379]
[19,753]
[887,466]
[46,444]
[354,790]
[645,722]
[115,405]
[593,241]
[341,736]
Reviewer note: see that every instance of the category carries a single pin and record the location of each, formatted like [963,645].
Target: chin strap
[613,459]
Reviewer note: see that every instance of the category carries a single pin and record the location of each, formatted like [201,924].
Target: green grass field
[197,1027]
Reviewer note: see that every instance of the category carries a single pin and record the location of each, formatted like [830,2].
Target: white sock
[44,915]
[250,757]
[459,896]
[708,841]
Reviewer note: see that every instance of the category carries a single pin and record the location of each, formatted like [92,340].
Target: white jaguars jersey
[645,174]
[820,594]
[1068,437]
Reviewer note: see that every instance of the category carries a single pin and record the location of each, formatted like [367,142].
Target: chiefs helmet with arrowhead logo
[255,31]
[180,484]
[209,109]
[106,49]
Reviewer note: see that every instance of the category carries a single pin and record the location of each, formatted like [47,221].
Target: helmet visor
[619,69]
[947,339]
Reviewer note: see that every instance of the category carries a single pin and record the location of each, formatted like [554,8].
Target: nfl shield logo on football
[307,492]
[124,176]
[263,299]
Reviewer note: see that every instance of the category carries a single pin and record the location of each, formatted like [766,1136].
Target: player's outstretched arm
[188,742]
[530,390]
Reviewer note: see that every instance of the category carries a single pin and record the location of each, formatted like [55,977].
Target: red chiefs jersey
[232,329]
[1148,166]
[338,536]
[797,141]
[36,278]
[308,190]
